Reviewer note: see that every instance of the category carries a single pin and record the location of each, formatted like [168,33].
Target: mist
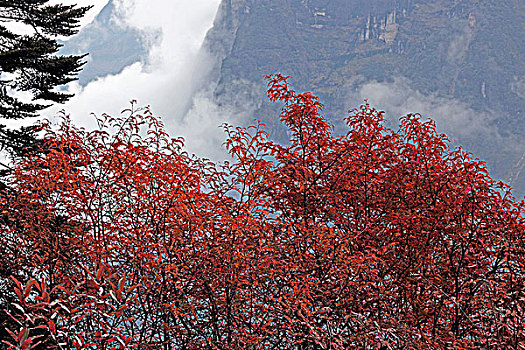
[473,130]
[166,80]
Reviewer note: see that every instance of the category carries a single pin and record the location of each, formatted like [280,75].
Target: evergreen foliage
[29,63]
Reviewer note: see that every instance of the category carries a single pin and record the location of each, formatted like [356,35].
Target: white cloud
[202,126]
[474,130]
[167,81]
[452,116]
[19,28]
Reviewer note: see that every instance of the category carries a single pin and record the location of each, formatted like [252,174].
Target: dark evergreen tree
[29,63]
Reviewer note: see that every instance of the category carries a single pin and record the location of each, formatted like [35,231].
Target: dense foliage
[29,62]
[377,239]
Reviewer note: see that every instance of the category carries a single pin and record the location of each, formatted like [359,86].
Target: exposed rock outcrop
[468,52]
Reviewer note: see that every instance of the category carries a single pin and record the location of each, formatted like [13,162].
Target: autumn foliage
[376,239]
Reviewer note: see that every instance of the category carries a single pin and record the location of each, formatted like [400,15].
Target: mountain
[111,46]
[459,62]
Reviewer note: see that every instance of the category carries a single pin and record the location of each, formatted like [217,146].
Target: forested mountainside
[460,62]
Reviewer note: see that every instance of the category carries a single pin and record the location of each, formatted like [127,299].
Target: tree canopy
[375,239]
[29,62]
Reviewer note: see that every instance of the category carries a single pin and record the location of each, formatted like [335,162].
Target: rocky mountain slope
[459,62]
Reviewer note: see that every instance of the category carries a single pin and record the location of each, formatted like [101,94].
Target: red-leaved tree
[376,239]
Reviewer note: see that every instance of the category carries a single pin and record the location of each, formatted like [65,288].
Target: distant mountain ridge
[467,54]
[111,47]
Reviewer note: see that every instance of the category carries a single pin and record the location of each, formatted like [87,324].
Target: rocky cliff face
[457,61]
